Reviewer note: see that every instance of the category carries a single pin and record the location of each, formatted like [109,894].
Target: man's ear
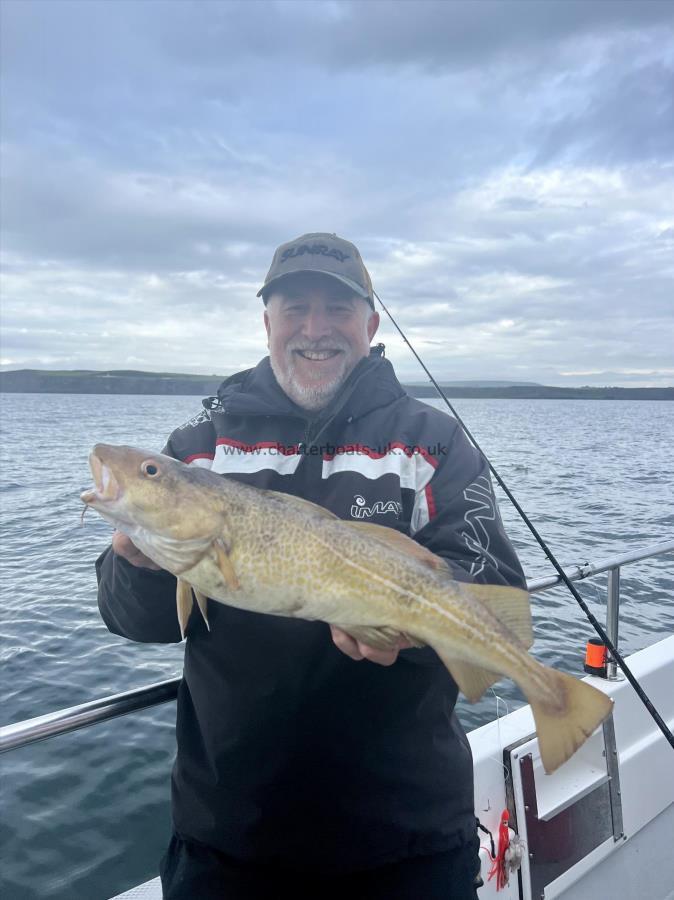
[372,325]
[267,325]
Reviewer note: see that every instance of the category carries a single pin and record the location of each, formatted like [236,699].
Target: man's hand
[357,650]
[124,546]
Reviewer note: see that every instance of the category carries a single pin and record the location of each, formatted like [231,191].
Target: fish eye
[149,468]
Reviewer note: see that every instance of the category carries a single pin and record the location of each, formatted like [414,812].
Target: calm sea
[86,815]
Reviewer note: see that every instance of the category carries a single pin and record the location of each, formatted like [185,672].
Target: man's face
[317,331]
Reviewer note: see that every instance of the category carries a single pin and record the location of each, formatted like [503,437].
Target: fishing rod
[659,721]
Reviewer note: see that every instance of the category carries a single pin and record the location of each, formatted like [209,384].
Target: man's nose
[316,325]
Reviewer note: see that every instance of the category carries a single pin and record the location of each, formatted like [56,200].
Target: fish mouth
[106,487]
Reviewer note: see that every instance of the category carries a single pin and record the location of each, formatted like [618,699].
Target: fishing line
[541,542]
[500,762]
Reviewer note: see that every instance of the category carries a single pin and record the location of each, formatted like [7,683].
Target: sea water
[87,814]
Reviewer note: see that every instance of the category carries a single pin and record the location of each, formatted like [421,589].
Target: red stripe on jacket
[430,500]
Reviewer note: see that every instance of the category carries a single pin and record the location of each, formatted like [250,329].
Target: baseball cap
[323,253]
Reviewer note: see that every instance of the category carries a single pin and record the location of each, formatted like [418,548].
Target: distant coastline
[38,381]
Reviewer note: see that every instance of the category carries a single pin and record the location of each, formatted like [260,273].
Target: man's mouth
[317,355]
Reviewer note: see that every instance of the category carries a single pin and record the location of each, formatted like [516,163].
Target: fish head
[137,490]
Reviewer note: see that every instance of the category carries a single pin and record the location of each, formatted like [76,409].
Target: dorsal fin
[402,544]
[509,605]
[390,536]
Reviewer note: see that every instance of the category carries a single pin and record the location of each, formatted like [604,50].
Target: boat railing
[20,734]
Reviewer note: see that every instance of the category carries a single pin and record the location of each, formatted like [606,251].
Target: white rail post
[612,617]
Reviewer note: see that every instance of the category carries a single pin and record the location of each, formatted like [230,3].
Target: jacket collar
[256,392]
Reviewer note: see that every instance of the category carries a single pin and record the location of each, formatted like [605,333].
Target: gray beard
[312,399]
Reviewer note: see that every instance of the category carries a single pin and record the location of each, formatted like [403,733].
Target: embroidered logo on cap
[321,249]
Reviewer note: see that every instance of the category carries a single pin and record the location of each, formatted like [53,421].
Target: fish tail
[566,715]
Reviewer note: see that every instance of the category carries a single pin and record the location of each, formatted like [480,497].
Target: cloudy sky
[506,168]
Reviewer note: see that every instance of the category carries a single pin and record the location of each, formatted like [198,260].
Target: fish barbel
[274,553]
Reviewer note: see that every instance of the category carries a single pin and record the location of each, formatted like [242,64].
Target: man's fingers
[405,644]
[122,545]
[382,657]
[345,643]
[358,650]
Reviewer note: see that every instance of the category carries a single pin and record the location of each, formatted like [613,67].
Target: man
[309,762]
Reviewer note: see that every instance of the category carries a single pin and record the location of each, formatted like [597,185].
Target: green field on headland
[123,381]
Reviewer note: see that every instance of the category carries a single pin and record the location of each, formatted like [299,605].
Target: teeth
[318,354]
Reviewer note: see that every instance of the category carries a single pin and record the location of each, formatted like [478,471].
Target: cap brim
[356,288]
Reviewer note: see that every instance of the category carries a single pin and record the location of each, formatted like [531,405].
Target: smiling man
[319,317]
[317,333]
[309,763]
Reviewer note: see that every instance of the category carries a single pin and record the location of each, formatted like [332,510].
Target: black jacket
[288,750]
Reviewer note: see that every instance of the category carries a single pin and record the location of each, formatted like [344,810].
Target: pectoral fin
[224,563]
[382,638]
[184,604]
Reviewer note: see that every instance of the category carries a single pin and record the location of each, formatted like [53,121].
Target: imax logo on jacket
[360,509]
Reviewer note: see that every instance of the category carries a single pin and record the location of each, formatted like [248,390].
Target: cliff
[39,381]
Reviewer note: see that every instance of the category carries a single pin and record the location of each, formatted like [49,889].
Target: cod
[273,553]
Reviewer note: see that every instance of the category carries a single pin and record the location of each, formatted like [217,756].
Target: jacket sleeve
[459,518]
[136,603]
[460,521]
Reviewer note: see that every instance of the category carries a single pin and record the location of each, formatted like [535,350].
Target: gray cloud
[630,117]
[506,169]
[429,33]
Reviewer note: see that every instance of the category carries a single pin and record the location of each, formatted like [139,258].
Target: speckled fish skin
[272,553]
